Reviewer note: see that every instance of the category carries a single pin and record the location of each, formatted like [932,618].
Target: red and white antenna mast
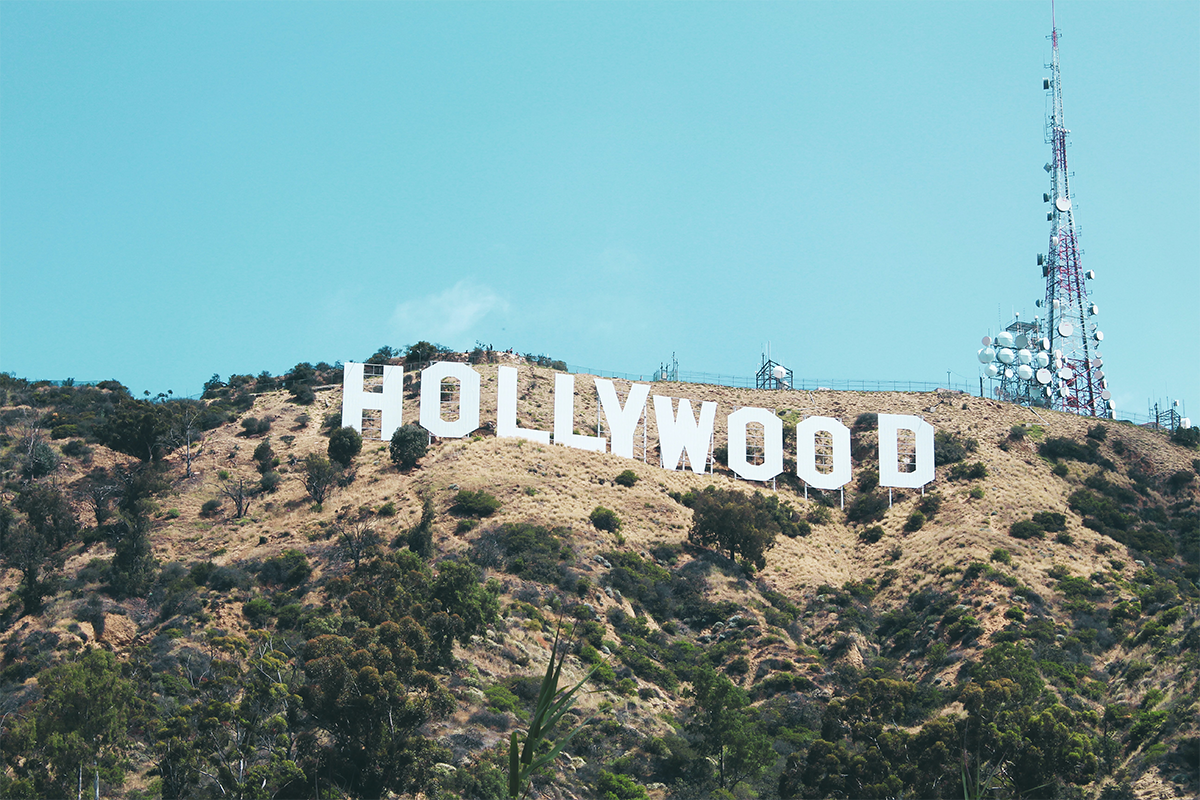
[1069,332]
[1054,361]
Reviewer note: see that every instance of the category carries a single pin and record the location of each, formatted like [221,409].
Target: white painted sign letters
[905,441]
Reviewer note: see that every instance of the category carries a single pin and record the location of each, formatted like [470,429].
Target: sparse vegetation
[605,519]
[259,633]
[475,504]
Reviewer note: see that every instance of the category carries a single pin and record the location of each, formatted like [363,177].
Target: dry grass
[558,486]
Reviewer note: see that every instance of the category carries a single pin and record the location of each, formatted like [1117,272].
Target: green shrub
[1059,470]
[41,461]
[388,509]
[1097,432]
[871,535]
[210,507]
[1002,555]
[604,519]
[252,426]
[409,444]
[930,505]
[270,481]
[976,493]
[1026,529]
[869,507]
[290,568]
[258,610]
[77,449]
[344,444]
[915,521]
[819,515]
[1050,521]
[475,504]
[868,480]
[968,472]
[626,478]
[1062,537]
[948,448]
[1016,433]
[612,786]
[865,422]
[264,455]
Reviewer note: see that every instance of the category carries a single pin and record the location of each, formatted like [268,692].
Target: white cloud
[447,316]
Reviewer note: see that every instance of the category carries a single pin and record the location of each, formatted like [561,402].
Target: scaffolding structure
[772,375]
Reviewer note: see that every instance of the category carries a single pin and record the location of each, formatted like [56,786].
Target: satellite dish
[1099,362]
[1006,356]
[1042,360]
[1056,304]
[1094,310]
[1106,395]
[1005,339]
[1045,344]
[991,370]
[1099,336]
[779,373]
[1066,374]
[1065,329]
[1062,204]
[1090,274]
[1043,376]
[1185,423]
[986,355]
[1008,373]
[1024,356]
[1025,372]
[1021,341]
[1100,374]
[985,341]
[1054,241]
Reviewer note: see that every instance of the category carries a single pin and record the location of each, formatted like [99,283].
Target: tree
[344,445]
[98,493]
[420,537]
[359,540]
[80,726]
[740,524]
[264,456]
[470,605]
[319,476]
[241,492]
[421,351]
[28,551]
[40,459]
[724,729]
[133,562]
[384,355]
[48,511]
[186,430]
[371,698]
[409,443]
[138,428]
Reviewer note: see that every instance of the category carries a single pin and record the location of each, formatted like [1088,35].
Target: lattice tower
[1077,383]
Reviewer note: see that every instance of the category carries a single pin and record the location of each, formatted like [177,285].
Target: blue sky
[199,188]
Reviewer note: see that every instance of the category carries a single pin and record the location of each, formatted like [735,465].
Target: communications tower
[1055,361]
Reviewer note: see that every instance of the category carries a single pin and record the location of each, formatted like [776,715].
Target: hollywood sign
[678,432]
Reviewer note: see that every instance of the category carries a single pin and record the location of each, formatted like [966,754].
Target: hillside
[1027,624]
